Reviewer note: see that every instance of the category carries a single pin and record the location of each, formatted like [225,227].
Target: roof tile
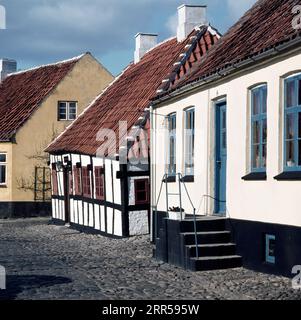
[125,99]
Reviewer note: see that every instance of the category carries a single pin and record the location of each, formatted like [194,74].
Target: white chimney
[7,66]
[144,42]
[189,17]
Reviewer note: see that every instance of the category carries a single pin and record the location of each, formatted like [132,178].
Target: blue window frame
[292,124]
[270,248]
[189,141]
[172,140]
[259,128]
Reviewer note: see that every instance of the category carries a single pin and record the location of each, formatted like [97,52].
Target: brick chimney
[144,42]
[7,66]
[189,17]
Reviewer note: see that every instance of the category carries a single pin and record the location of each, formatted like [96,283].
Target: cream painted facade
[85,81]
[269,201]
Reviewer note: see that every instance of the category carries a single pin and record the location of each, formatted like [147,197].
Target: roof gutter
[234,67]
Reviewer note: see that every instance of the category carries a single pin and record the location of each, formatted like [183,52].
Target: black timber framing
[124,200]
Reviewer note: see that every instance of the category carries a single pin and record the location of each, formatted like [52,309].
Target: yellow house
[36,105]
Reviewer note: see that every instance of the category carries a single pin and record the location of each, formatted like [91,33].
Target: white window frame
[172,134]
[67,110]
[189,138]
[5,165]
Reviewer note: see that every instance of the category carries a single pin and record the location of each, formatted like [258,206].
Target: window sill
[188,179]
[255,176]
[289,176]
[3,186]
[170,179]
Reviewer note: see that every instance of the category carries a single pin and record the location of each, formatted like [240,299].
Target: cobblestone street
[51,262]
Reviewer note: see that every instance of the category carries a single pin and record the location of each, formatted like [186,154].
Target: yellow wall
[83,84]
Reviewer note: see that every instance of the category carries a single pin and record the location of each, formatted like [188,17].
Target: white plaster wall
[138,222]
[102,217]
[117,185]
[267,201]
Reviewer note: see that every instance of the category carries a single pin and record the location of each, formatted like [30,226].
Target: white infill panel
[103,220]
[97,216]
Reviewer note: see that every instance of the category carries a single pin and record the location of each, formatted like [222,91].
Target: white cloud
[238,7]
[172,24]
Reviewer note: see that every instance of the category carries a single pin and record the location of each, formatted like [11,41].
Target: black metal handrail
[181,180]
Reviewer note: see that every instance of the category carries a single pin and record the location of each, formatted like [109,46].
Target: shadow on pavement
[17,284]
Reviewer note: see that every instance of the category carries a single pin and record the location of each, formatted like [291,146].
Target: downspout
[152,171]
[208,152]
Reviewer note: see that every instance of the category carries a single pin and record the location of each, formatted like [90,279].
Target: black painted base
[84,229]
[249,237]
[90,230]
[10,210]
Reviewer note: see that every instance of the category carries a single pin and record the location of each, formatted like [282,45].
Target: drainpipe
[152,171]
[208,152]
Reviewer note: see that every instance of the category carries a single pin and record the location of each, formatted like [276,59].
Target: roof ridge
[192,40]
[76,58]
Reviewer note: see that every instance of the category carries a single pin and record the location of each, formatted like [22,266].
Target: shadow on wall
[17,284]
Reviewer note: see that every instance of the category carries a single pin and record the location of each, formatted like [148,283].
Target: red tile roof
[21,93]
[194,52]
[265,26]
[125,99]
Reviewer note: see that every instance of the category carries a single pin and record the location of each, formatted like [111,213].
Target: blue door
[220,158]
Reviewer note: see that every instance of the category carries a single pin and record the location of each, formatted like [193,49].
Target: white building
[241,159]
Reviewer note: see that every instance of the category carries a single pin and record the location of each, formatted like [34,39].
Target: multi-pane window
[292,123]
[67,111]
[86,182]
[141,191]
[3,168]
[99,183]
[70,182]
[259,128]
[172,126]
[189,141]
[77,181]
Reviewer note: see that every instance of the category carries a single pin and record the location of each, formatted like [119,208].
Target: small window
[141,191]
[67,111]
[54,181]
[70,182]
[189,141]
[3,168]
[270,248]
[172,126]
[99,183]
[86,182]
[77,181]
[259,128]
[292,124]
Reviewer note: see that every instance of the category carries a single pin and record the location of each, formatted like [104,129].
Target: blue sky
[45,31]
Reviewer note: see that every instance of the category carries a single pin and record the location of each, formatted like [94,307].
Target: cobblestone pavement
[51,262]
